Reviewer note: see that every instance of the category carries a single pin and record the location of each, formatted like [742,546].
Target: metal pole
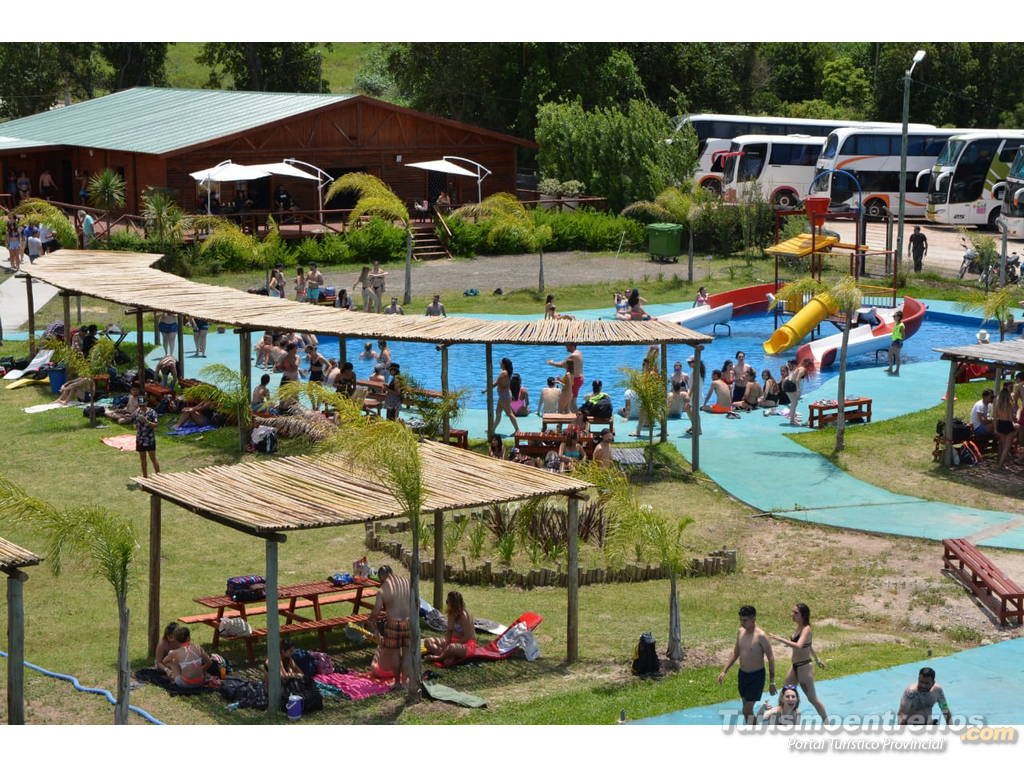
[490,392]
[273,631]
[439,559]
[947,453]
[695,411]
[572,626]
[16,648]
[1002,261]
[664,384]
[31,317]
[154,573]
[903,172]
[156,328]
[888,243]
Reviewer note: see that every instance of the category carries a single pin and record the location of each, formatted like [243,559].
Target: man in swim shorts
[752,646]
[390,622]
[917,701]
[577,359]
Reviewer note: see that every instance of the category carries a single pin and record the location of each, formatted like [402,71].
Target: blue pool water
[466,362]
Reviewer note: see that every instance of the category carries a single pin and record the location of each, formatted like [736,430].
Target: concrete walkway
[986,682]
[14,305]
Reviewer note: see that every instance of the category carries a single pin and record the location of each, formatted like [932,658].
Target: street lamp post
[903,158]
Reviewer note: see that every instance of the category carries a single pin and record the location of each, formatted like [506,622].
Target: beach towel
[154,676]
[353,686]
[51,406]
[190,429]
[439,692]
[121,442]
[41,359]
[493,651]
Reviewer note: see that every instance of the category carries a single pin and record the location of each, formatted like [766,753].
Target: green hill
[340,66]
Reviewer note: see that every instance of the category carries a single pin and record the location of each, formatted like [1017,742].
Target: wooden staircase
[425,244]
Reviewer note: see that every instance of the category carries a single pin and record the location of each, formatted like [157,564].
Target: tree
[847,297]
[106,189]
[620,154]
[843,84]
[165,220]
[135,64]
[226,392]
[283,67]
[31,78]
[796,68]
[104,541]
[511,220]
[36,211]
[998,305]
[651,392]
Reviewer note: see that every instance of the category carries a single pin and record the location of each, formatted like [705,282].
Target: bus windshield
[1018,165]
[951,152]
[830,147]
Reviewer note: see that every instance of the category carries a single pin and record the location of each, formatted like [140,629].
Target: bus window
[751,162]
[1009,150]
[971,170]
[926,180]
[830,147]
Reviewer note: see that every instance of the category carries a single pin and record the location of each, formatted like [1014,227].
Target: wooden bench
[539,443]
[458,438]
[994,588]
[819,414]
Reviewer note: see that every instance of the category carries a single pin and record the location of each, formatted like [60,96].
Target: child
[145,420]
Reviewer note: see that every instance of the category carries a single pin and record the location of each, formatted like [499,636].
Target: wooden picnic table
[562,419]
[292,599]
[821,413]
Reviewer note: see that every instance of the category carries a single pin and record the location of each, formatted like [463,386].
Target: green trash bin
[665,241]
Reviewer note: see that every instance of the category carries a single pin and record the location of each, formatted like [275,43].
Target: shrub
[124,240]
[378,240]
[334,250]
[589,230]
[646,212]
[308,251]
[467,238]
[719,228]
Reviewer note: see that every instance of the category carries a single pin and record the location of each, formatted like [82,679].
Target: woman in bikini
[460,640]
[794,385]
[566,399]
[167,324]
[788,710]
[520,397]
[288,365]
[570,451]
[300,284]
[393,398]
[496,448]
[1006,430]
[550,312]
[769,391]
[364,281]
[504,404]
[803,653]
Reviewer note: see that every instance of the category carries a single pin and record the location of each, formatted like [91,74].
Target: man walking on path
[918,247]
[752,646]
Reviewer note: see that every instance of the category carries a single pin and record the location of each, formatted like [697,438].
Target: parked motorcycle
[970,261]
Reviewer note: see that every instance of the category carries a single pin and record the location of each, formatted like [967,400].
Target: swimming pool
[466,362]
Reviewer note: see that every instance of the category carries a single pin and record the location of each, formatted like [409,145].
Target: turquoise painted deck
[985,682]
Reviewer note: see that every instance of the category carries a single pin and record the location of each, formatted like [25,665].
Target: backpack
[249,594]
[267,442]
[234,627]
[968,454]
[961,431]
[645,657]
[242,582]
[602,409]
[312,699]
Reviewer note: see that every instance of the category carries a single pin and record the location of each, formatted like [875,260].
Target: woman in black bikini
[1006,430]
[803,652]
[317,364]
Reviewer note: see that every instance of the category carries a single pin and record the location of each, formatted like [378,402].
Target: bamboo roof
[1005,353]
[12,556]
[130,279]
[264,497]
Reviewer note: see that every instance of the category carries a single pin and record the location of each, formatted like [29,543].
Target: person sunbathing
[460,640]
[199,415]
[74,390]
[126,414]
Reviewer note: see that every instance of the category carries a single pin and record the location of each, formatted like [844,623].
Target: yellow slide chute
[802,245]
[791,334]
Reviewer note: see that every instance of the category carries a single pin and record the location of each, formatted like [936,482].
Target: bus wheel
[875,209]
[785,199]
[713,186]
[993,219]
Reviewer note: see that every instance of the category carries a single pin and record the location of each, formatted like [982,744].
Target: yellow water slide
[802,245]
[793,332]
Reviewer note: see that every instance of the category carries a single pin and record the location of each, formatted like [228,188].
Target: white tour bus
[1013,200]
[782,167]
[969,178]
[872,155]
[714,132]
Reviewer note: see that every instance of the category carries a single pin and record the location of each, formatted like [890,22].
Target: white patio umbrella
[444,166]
[227,171]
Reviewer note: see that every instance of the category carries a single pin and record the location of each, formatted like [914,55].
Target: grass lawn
[863,621]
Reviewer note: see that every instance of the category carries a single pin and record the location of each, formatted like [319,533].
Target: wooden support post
[140,352]
[16,648]
[947,453]
[31,317]
[78,307]
[273,631]
[695,385]
[572,626]
[439,560]
[156,329]
[66,298]
[181,347]
[342,352]
[447,427]
[245,374]
[153,625]
[490,391]
[664,384]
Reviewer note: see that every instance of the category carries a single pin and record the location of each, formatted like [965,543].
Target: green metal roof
[160,120]
[9,142]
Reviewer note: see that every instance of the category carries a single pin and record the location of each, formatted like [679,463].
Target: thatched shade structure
[12,559]
[250,498]
[1003,355]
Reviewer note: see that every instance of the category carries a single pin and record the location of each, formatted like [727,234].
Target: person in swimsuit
[621,306]
[678,400]
[751,392]
[394,308]
[276,285]
[742,368]
[343,301]
[187,663]
[570,451]
[165,646]
[317,364]
[722,393]
[918,700]
[288,365]
[314,284]
[14,243]
[389,621]
[602,455]
[495,448]
[145,420]
[504,404]
[377,276]
[345,382]
[393,398]
[795,380]
[1006,430]
[550,311]
[368,352]
[260,401]
[384,356]
[751,649]
[200,328]
[803,653]
[575,356]
[364,281]
[460,640]
[167,324]
[520,396]
[566,398]
[769,391]
[788,710]
[650,363]
[299,281]
[702,297]
[436,308]
[896,344]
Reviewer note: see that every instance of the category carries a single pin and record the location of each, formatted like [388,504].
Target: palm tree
[511,222]
[165,220]
[106,189]
[104,540]
[998,305]
[375,198]
[227,393]
[652,394]
[847,297]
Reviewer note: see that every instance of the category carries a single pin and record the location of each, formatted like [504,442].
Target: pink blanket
[121,442]
[354,686]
